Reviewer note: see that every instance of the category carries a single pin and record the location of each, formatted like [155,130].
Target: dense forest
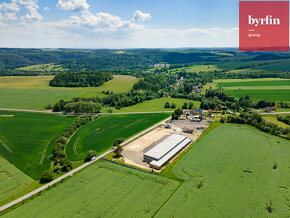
[139,62]
[128,61]
[80,79]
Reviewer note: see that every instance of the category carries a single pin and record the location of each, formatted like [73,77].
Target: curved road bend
[70,173]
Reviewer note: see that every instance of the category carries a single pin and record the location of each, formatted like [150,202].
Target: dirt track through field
[75,147]
[6,146]
[44,152]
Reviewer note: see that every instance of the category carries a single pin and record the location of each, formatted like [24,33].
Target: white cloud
[14,5]
[46,8]
[102,22]
[6,17]
[9,6]
[140,16]
[74,33]
[10,16]
[32,7]
[73,5]
[32,15]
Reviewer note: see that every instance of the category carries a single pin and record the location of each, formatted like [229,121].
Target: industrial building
[166,150]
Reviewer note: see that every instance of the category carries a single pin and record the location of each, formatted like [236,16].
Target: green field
[257,82]
[27,139]
[268,95]
[102,190]
[229,173]
[12,181]
[100,134]
[33,92]
[196,69]
[157,105]
[43,67]
[231,166]
[273,119]
[266,89]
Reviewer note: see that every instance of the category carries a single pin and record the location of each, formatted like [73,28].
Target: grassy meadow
[102,190]
[43,67]
[13,182]
[157,105]
[100,134]
[273,119]
[33,92]
[229,173]
[196,69]
[27,139]
[266,89]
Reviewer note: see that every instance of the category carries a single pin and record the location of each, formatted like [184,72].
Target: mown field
[27,139]
[198,68]
[33,92]
[266,89]
[273,119]
[43,67]
[12,181]
[102,190]
[157,105]
[229,173]
[100,134]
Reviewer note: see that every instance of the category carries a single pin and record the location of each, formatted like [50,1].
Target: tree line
[80,79]
[60,161]
[284,119]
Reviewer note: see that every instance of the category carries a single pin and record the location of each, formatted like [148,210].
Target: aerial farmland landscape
[119,109]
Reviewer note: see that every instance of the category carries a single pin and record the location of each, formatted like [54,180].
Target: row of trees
[176,114]
[154,83]
[80,79]
[94,104]
[168,105]
[216,99]
[284,119]
[61,162]
[82,107]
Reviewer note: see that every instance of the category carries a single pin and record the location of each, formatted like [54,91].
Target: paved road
[4,207]
[145,112]
[51,112]
[34,111]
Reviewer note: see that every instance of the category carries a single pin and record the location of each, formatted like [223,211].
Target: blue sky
[118,23]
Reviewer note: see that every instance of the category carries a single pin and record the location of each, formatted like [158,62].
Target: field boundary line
[44,152]
[6,146]
[124,165]
[75,147]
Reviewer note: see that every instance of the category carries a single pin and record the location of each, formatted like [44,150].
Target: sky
[118,23]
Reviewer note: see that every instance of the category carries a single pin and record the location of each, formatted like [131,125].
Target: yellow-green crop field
[34,92]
